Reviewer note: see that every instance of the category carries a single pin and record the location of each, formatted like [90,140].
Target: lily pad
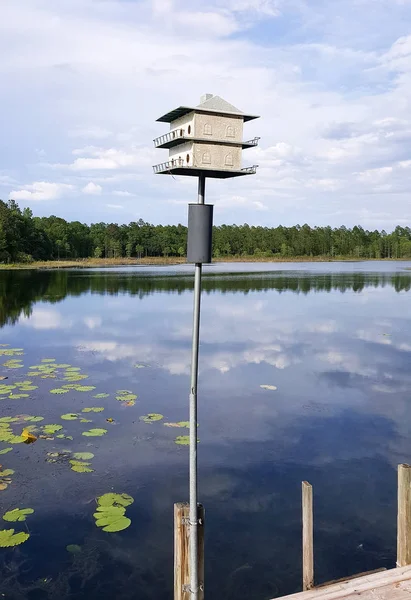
[17,514]
[151,417]
[102,395]
[268,387]
[94,432]
[113,499]
[83,455]
[86,421]
[183,440]
[6,473]
[112,523]
[81,468]
[94,409]
[185,424]
[126,397]
[8,538]
[85,388]
[48,360]
[72,369]
[18,396]
[8,419]
[6,450]
[50,429]
[70,417]
[30,419]
[74,549]
[59,391]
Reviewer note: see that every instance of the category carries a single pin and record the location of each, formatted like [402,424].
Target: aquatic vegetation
[110,512]
[86,421]
[18,396]
[59,391]
[30,419]
[28,388]
[74,548]
[268,387]
[61,436]
[110,420]
[80,467]
[6,473]
[5,450]
[94,432]
[75,377]
[8,538]
[17,514]
[102,395]
[113,499]
[183,440]
[50,429]
[72,369]
[151,417]
[83,455]
[11,352]
[48,360]
[85,388]
[13,364]
[126,397]
[8,419]
[28,437]
[69,417]
[94,409]
[179,424]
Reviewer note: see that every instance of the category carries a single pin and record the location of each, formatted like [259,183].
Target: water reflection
[335,344]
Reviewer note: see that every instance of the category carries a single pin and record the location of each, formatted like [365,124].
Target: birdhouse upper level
[207,139]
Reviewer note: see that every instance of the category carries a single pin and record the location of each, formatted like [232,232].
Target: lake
[332,341]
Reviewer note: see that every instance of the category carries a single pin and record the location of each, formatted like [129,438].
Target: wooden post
[404,516]
[182,551]
[308,542]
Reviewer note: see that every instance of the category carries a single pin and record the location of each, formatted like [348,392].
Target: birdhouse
[206,140]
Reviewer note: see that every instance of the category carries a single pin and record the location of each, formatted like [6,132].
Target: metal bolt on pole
[194,582]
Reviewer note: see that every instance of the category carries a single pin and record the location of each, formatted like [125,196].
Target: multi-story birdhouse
[206,140]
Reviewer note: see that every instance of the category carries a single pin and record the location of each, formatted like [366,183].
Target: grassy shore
[171,260]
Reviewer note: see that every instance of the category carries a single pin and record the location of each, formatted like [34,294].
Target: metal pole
[194,582]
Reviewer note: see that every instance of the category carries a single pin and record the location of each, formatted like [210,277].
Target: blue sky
[84,80]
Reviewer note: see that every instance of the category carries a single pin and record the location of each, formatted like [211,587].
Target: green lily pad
[183,440]
[48,360]
[126,397]
[94,432]
[72,369]
[151,417]
[102,395]
[83,455]
[85,388]
[113,499]
[61,436]
[28,388]
[94,409]
[50,429]
[69,417]
[6,473]
[6,450]
[34,419]
[86,420]
[18,396]
[8,419]
[113,524]
[59,391]
[81,468]
[185,424]
[74,549]
[12,352]
[17,514]
[8,538]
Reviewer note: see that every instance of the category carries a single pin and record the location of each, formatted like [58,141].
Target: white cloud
[42,318]
[92,189]
[122,193]
[41,190]
[115,206]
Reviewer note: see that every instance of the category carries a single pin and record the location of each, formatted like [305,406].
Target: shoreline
[88,263]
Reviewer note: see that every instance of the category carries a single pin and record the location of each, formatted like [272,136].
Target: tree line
[24,238]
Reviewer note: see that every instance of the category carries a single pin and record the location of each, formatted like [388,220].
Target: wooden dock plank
[394,584]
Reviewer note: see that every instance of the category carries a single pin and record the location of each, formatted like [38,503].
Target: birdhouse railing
[167,166]
[169,137]
[250,170]
[253,142]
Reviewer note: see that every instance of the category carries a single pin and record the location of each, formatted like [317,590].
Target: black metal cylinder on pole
[200,233]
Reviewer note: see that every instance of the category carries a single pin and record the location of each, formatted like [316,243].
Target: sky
[83,82]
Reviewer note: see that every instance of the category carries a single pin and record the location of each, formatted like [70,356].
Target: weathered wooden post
[182,551]
[308,542]
[404,516]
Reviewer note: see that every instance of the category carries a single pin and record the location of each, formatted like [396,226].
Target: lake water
[335,341]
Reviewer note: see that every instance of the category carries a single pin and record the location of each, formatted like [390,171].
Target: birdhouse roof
[213,105]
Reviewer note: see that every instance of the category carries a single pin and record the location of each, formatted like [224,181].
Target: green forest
[25,238]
